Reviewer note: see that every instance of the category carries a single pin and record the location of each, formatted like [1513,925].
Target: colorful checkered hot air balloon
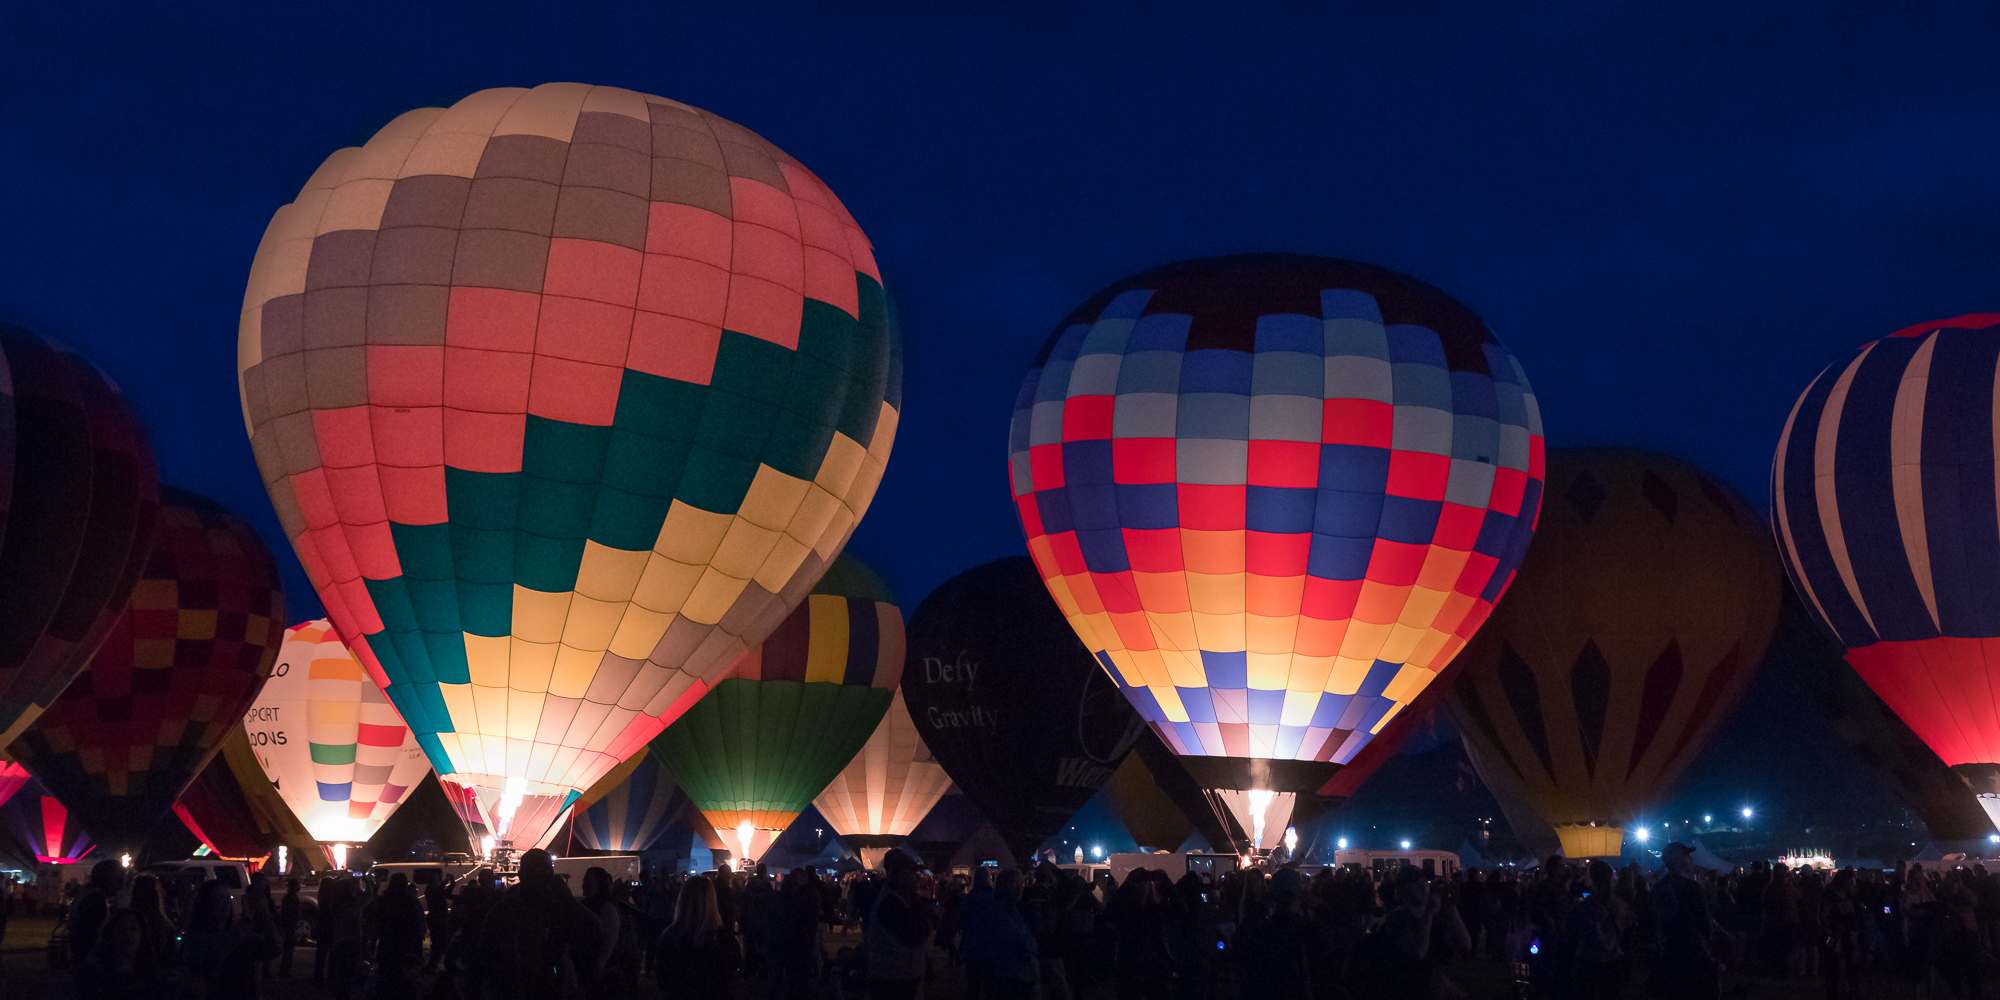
[756,750]
[1274,495]
[171,680]
[565,397]
[325,736]
[1641,613]
[1888,513]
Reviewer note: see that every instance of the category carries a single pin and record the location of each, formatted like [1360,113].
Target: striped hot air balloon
[565,398]
[1274,494]
[754,752]
[884,792]
[1884,498]
[632,808]
[43,825]
[329,740]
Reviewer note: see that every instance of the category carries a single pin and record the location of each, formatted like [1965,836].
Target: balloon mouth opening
[506,813]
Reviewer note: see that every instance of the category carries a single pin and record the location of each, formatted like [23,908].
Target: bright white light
[1746,812]
[1406,845]
[744,831]
[486,848]
[1098,852]
[125,859]
[1260,801]
[1642,833]
[1291,839]
[1341,843]
[510,800]
[281,859]
[340,856]
[1708,819]
[1994,837]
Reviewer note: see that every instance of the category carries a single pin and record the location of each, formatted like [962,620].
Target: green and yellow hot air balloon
[755,750]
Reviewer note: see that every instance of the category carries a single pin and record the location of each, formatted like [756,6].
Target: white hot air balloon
[887,789]
[340,756]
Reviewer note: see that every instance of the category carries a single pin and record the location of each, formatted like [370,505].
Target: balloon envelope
[881,795]
[45,827]
[1857,716]
[1021,716]
[565,397]
[180,666]
[1274,494]
[329,741]
[1884,501]
[1642,610]
[78,495]
[1138,803]
[754,752]
[635,811]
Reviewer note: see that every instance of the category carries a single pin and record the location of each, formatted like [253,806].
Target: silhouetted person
[538,938]
[91,908]
[896,932]
[288,925]
[1686,968]
[222,952]
[696,956]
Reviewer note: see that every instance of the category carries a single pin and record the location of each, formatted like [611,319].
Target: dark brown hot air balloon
[1640,612]
[78,493]
[234,809]
[173,678]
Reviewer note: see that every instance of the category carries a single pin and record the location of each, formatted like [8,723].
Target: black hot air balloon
[1021,715]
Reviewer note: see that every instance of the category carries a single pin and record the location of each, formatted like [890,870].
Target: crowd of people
[1559,930]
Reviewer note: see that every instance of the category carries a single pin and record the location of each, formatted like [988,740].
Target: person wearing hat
[896,933]
[1686,969]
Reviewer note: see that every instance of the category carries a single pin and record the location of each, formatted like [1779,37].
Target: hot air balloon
[12,778]
[172,679]
[238,815]
[1640,614]
[884,792]
[1906,767]
[1884,500]
[41,823]
[950,824]
[1134,798]
[632,808]
[754,752]
[1019,714]
[78,494]
[1274,494]
[1517,805]
[323,734]
[566,397]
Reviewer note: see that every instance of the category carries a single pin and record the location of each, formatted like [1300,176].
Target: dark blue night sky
[1675,214]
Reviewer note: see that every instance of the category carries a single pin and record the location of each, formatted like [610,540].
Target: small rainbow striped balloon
[326,736]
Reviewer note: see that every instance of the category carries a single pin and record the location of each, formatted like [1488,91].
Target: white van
[235,875]
[1382,865]
[1174,864]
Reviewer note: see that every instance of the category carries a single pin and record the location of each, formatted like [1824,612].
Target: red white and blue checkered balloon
[1275,494]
